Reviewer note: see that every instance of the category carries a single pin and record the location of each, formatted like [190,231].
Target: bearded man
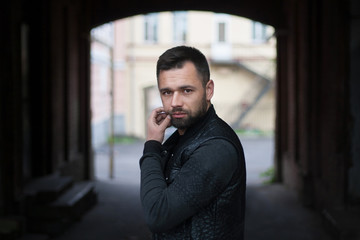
[192,185]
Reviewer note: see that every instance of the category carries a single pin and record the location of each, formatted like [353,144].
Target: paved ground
[273,211]
[258,154]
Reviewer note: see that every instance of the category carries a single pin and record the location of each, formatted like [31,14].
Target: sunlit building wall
[241,54]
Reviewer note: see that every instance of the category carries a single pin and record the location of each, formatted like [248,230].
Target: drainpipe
[112,111]
[111,143]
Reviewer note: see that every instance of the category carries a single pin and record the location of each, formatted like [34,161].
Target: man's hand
[157,124]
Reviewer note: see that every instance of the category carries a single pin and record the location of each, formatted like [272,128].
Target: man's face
[183,95]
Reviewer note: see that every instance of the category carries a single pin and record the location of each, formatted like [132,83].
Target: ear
[209,90]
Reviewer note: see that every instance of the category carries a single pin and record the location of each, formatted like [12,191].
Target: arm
[197,184]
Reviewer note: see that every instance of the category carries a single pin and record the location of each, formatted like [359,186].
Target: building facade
[241,54]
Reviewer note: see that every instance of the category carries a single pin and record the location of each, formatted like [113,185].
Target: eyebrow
[181,87]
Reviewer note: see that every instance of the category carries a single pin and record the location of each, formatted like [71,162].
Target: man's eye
[187,90]
[166,92]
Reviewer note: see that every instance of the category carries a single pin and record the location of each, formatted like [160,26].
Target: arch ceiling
[266,11]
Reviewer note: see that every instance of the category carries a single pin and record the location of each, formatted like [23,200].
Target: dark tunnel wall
[45,87]
[45,106]
[354,128]
[314,94]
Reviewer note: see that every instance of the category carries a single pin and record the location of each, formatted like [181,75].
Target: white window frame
[222,25]
[180,26]
[221,48]
[259,32]
[151,27]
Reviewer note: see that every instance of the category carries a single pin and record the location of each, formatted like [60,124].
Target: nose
[176,100]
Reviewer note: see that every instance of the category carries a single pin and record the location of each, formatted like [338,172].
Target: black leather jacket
[193,186]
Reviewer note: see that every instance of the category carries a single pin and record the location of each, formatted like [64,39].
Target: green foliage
[121,140]
[254,132]
[269,175]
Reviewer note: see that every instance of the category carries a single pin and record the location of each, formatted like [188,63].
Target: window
[221,48]
[221,32]
[151,27]
[180,26]
[259,32]
[222,22]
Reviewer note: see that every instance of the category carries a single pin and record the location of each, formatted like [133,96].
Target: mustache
[176,110]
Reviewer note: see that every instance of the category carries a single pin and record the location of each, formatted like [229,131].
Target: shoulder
[217,153]
[216,160]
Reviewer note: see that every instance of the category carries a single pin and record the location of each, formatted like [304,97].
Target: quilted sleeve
[202,178]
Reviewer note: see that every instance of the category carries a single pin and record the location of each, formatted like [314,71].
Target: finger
[153,116]
[165,122]
[160,116]
[157,111]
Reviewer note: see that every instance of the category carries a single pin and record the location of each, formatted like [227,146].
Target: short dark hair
[177,56]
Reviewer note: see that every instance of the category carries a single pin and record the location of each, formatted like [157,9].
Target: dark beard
[192,119]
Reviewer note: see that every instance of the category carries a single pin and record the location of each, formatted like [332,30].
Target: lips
[178,114]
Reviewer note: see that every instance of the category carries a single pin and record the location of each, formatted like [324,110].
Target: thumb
[166,122]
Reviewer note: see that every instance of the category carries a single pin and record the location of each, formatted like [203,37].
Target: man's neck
[181,131]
